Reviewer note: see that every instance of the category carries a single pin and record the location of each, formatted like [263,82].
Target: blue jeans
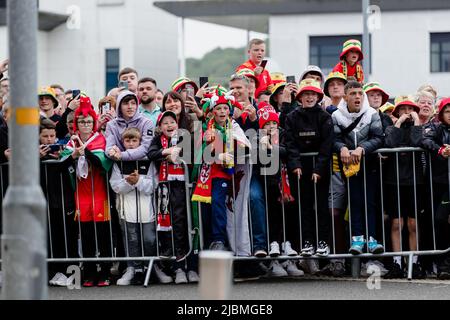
[358,205]
[214,215]
[258,214]
[135,246]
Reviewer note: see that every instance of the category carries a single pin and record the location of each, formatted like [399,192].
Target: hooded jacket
[116,127]
[368,134]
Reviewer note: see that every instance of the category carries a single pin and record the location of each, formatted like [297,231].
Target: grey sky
[202,37]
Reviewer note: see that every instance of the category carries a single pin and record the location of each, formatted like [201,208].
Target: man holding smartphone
[256,63]
[130,76]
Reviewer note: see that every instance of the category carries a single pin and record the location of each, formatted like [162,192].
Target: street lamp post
[24,247]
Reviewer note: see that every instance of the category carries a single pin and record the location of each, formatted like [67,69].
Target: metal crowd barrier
[236,229]
[112,230]
[380,215]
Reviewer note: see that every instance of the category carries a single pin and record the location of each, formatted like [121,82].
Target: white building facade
[107,35]
[411,48]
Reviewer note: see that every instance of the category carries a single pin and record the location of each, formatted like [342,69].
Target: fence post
[24,248]
[356,268]
[216,275]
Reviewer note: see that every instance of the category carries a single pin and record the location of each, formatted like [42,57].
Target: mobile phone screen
[264,64]
[123,84]
[106,107]
[290,79]
[55,147]
[203,81]
[76,93]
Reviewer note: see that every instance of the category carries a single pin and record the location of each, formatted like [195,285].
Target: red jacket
[352,71]
[264,78]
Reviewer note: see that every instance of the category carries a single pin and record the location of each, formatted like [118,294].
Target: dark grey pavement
[284,289]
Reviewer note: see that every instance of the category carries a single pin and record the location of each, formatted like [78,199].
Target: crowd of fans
[115,186]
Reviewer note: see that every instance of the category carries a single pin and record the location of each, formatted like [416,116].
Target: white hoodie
[131,198]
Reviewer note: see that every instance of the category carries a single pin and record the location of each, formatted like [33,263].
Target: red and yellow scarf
[167,172]
[359,71]
[203,189]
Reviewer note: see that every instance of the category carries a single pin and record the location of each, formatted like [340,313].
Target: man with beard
[147,88]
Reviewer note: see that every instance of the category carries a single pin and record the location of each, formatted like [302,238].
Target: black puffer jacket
[309,130]
[386,121]
[434,137]
[407,135]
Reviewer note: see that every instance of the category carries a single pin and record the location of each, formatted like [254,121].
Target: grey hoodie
[116,127]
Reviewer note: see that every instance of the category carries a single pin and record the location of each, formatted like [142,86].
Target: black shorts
[408,203]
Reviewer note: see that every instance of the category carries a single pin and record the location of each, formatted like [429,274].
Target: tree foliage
[218,64]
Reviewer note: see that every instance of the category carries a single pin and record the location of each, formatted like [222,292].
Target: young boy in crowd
[350,65]
[220,143]
[172,213]
[334,88]
[257,53]
[134,184]
[407,132]
[359,132]
[277,192]
[437,142]
[378,97]
[310,129]
[314,73]
[55,182]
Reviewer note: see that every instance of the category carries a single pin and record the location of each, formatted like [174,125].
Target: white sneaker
[292,269]
[162,277]
[127,277]
[56,277]
[276,270]
[180,276]
[193,277]
[274,249]
[287,249]
[61,281]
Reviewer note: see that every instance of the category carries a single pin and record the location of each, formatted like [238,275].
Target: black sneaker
[443,275]
[307,250]
[418,272]
[322,249]
[395,272]
[138,280]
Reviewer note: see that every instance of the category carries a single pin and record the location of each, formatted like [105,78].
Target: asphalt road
[278,289]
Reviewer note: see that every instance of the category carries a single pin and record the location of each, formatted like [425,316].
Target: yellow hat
[249,74]
[48,92]
[310,85]
[277,77]
[387,107]
[331,76]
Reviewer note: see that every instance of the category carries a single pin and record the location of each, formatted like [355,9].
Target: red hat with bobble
[86,109]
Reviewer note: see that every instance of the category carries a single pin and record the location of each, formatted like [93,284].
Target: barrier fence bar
[100,256]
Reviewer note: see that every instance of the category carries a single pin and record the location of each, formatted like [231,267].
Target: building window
[325,51]
[112,68]
[440,52]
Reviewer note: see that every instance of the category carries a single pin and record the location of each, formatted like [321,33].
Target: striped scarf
[203,189]
[359,71]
